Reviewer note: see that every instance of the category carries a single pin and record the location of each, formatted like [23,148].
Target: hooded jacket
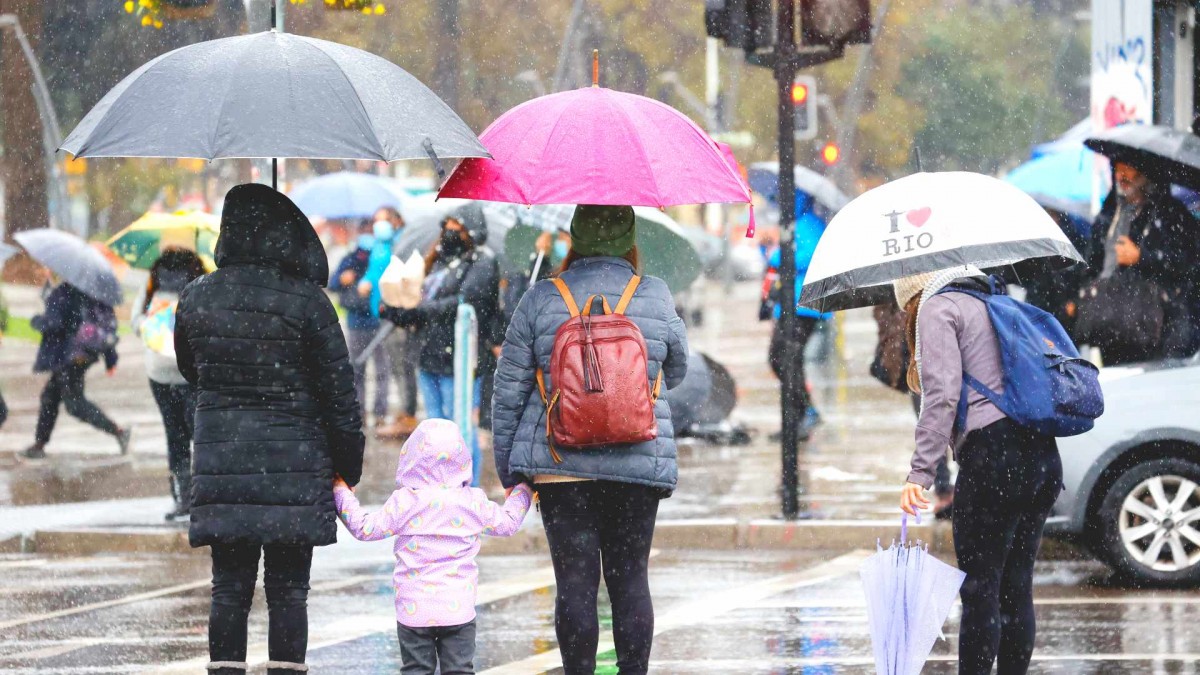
[58,324]
[518,414]
[277,413]
[437,519]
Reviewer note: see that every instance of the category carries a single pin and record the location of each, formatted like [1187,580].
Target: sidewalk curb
[706,534]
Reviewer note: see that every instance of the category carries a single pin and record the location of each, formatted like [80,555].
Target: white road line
[766,664]
[136,597]
[1127,600]
[711,606]
[363,624]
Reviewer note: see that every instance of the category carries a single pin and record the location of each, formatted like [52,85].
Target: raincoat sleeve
[54,318]
[513,383]
[939,323]
[332,376]
[374,525]
[504,521]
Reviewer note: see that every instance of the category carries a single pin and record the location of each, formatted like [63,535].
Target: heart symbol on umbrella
[919,217]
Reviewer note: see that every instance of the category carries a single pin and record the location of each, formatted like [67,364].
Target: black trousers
[1008,479]
[285,579]
[449,650]
[177,405]
[3,410]
[777,356]
[596,527]
[65,388]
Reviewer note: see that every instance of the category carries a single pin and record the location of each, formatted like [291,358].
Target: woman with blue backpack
[1010,473]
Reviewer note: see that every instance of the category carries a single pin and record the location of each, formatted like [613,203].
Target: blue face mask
[383,230]
[561,249]
[366,241]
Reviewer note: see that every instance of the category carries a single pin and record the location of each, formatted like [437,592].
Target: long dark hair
[173,260]
[631,256]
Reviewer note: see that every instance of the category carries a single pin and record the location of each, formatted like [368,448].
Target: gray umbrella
[1163,153]
[272,95]
[423,229]
[72,259]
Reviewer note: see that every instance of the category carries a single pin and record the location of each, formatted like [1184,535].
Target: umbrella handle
[904,526]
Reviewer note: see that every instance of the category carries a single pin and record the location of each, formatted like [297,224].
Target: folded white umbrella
[923,223]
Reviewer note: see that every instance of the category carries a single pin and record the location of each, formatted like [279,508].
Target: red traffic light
[799,93]
[830,154]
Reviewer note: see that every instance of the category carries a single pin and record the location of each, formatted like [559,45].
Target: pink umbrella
[598,146]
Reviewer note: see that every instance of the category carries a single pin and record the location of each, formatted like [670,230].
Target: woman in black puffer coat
[276,418]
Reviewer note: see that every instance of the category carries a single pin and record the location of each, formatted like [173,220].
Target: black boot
[35,451]
[181,490]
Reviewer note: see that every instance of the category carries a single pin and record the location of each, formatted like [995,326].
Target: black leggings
[65,388]
[177,405]
[597,524]
[777,358]
[285,579]
[1008,479]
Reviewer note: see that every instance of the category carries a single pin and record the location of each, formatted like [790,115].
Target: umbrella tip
[595,67]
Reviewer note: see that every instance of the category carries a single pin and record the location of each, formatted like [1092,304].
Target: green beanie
[602,230]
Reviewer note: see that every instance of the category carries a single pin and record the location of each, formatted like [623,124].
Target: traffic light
[835,23]
[748,25]
[831,153]
[804,107]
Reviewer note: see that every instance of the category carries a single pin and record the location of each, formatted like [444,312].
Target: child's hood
[435,455]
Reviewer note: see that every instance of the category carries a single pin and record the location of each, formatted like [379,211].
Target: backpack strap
[568,299]
[587,305]
[627,294]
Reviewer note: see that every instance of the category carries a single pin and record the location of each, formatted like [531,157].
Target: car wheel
[1150,523]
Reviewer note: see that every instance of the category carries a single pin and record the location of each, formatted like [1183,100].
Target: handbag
[1123,311]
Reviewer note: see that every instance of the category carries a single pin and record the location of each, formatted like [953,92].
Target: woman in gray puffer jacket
[598,504]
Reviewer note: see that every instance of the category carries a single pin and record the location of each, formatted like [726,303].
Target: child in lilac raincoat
[437,519]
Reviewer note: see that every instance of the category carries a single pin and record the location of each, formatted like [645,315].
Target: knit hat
[906,287]
[603,230]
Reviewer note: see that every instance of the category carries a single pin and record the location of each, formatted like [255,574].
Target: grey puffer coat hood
[518,417]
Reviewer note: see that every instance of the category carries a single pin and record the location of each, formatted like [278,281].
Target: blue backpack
[1047,386]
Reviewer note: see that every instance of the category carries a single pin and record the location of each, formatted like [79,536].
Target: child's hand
[338,482]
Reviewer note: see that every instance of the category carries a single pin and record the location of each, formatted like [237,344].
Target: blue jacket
[518,416]
[809,229]
[359,313]
[58,325]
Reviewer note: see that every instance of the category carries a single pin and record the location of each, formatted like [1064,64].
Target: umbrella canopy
[72,259]
[1063,178]
[1163,153]
[665,250]
[1072,139]
[141,243]
[348,194]
[597,146]
[272,95]
[764,179]
[923,223]
[909,595]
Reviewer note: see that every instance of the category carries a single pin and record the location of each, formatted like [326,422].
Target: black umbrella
[72,259]
[1162,153]
[271,95]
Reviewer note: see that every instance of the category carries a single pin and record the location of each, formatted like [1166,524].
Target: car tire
[1150,523]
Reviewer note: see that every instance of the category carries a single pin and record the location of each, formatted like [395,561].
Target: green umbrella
[141,243]
[664,248]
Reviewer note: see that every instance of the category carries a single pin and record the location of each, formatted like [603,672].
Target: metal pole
[785,73]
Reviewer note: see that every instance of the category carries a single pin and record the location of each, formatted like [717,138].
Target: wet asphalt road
[796,611]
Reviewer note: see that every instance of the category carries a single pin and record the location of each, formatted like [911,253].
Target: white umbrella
[923,223]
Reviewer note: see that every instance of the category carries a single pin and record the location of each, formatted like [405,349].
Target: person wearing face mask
[403,351]
[1144,233]
[358,296]
[459,268]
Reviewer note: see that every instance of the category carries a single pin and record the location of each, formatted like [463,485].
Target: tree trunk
[23,167]
[447,36]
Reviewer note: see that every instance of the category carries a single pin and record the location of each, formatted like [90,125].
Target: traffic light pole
[785,73]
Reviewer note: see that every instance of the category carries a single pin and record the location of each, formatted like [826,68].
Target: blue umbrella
[347,194]
[1072,139]
[1064,176]
[909,595]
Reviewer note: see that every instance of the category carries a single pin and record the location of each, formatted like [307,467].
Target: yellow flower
[158,23]
[129,6]
[380,9]
[147,20]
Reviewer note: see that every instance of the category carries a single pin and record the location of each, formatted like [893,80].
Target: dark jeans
[593,525]
[177,405]
[65,388]
[777,357]
[1008,479]
[422,650]
[285,579]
